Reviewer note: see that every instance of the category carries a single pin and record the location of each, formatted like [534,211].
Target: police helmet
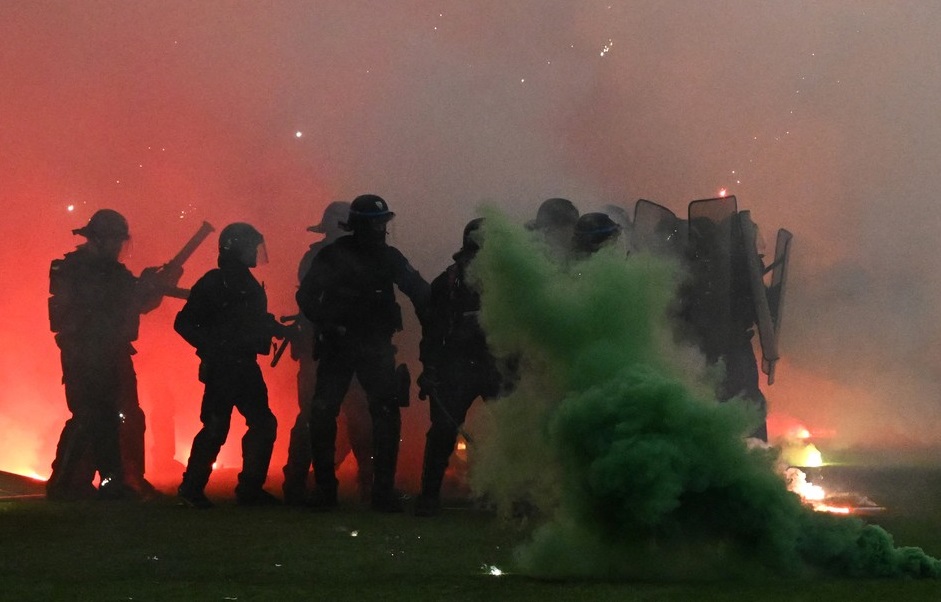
[332,216]
[240,241]
[368,209]
[105,224]
[471,238]
[594,229]
[554,213]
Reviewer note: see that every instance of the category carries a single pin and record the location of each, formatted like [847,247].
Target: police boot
[297,468]
[257,444]
[438,447]
[190,492]
[387,424]
[323,434]
[112,487]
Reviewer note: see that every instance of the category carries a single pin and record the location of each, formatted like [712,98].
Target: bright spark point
[492,570]
[70,208]
[723,192]
[298,134]
[607,48]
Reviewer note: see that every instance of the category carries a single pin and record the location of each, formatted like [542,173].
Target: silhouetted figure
[555,221]
[226,319]
[354,434]
[348,294]
[95,309]
[457,366]
[718,309]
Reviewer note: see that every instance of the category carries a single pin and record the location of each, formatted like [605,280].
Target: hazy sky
[821,117]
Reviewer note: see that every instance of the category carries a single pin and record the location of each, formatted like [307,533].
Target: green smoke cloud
[614,440]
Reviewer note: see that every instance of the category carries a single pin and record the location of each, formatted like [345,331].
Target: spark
[354,533]
[723,192]
[298,134]
[70,208]
[492,570]
[607,47]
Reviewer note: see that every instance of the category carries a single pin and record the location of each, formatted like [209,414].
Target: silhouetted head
[554,213]
[106,231]
[593,231]
[243,244]
[368,217]
[332,217]
[472,236]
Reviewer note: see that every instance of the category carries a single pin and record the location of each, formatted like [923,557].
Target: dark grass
[159,551]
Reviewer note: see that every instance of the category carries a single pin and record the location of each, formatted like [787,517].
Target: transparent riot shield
[759,294]
[708,303]
[657,230]
[779,270]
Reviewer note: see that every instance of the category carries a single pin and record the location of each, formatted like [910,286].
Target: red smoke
[179,112]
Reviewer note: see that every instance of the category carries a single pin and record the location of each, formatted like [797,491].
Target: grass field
[160,551]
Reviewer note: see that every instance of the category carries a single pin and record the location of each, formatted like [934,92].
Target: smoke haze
[820,117]
[611,440]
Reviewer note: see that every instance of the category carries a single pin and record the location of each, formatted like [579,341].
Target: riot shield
[756,271]
[778,269]
[657,230]
[709,293]
[622,218]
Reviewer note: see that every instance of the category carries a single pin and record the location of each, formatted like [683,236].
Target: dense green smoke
[614,441]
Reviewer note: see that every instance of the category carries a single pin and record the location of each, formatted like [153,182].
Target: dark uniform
[95,309]
[226,319]
[458,366]
[355,433]
[348,294]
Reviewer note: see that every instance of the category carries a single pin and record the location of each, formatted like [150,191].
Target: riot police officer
[348,294]
[95,309]
[457,365]
[226,319]
[356,434]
